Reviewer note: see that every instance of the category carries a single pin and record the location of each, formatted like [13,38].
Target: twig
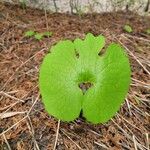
[127,135]
[135,37]
[135,145]
[129,123]
[71,139]
[55,5]
[138,110]
[10,114]
[140,82]
[22,118]
[12,105]
[9,148]
[30,126]
[135,58]
[13,126]
[33,104]
[12,97]
[94,132]
[101,145]
[10,78]
[47,26]
[57,133]
[128,106]
[147,141]
[139,85]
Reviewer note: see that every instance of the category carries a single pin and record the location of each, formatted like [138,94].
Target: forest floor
[24,123]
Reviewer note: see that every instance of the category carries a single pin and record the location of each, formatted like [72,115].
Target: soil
[20,57]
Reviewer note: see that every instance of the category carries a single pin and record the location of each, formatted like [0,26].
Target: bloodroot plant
[75,77]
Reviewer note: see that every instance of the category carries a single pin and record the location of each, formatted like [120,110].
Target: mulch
[20,58]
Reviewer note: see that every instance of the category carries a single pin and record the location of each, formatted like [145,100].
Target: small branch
[57,133]
[12,97]
[71,139]
[32,132]
[9,148]
[101,145]
[129,107]
[22,118]
[14,125]
[147,141]
[55,5]
[17,69]
[144,68]
[135,145]
[47,26]
[71,5]
[147,6]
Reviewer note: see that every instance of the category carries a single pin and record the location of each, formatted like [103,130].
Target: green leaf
[29,33]
[148,31]
[38,36]
[47,34]
[128,29]
[62,71]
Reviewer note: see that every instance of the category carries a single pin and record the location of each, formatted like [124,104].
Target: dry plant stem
[71,139]
[147,140]
[33,104]
[135,144]
[101,145]
[12,105]
[94,132]
[129,122]
[10,114]
[22,118]
[139,85]
[13,92]
[134,57]
[129,107]
[8,146]
[31,129]
[140,82]
[14,125]
[132,138]
[47,26]
[55,5]
[12,97]
[135,37]
[57,133]
[125,133]
[11,77]
[138,110]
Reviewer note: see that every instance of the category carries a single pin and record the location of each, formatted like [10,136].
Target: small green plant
[37,35]
[47,34]
[128,29]
[148,31]
[23,4]
[75,77]
[29,33]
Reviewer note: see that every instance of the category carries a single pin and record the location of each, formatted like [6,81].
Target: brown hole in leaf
[84,86]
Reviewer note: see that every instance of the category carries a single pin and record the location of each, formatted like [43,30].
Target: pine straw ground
[24,123]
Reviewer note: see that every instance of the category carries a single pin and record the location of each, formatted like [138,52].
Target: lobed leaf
[62,71]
